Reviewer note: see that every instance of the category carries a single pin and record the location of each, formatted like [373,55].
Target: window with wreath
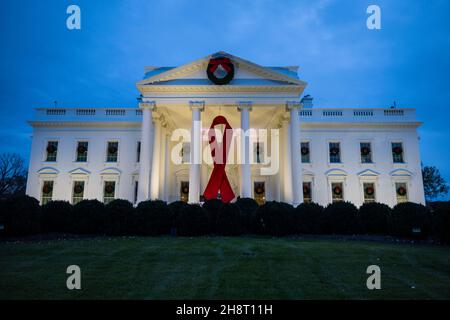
[138,151]
[365,152]
[304,149]
[307,192]
[397,152]
[77,192]
[337,192]
[47,192]
[369,192]
[401,191]
[112,151]
[109,191]
[52,151]
[82,151]
[335,152]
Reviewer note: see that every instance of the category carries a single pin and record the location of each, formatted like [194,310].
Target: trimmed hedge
[274,218]
[88,217]
[56,216]
[248,207]
[193,221]
[374,218]
[212,207]
[153,217]
[120,218]
[442,221]
[21,216]
[409,216]
[308,218]
[341,218]
[229,220]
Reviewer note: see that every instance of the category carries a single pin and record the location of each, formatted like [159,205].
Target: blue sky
[345,64]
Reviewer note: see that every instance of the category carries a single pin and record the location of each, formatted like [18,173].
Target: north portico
[255,97]
[281,148]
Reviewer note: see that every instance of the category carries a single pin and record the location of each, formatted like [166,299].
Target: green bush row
[24,215]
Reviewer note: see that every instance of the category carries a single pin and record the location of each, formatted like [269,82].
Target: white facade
[258,98]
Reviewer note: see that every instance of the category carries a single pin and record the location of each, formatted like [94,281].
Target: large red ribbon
[218,182]
[215,63]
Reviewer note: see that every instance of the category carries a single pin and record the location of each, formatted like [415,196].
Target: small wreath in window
[109,188]
[401,191]
[337,190]
[398,150]
[334,151]
[370,191]
[51,148]
[365,151]
[305,151]
[47,189]
[259,189]
[81,149]
[185,189]
[306,189]
[78,188]
[112,149]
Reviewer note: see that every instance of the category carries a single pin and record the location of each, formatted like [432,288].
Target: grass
[222,268]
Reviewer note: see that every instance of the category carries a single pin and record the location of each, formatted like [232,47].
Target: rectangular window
[52,151]
[369,192]
[307,192]
[184,191]
[397,152]
[305,152]
[109,191]
[366,152]
[335,152]
[112,151]
[401,191]
[82,151]
[337,192]
[77,192]
[186,152]
[47,192]
[136,191]
[138,151]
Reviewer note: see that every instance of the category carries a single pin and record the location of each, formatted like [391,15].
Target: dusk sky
[344,63]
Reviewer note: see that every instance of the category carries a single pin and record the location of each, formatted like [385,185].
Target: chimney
[307,101]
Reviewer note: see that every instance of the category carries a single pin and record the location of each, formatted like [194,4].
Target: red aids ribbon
[218,180]
[215,63]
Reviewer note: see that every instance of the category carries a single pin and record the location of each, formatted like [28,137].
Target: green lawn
[222,268]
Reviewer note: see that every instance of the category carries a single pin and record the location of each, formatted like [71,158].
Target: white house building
[324,154]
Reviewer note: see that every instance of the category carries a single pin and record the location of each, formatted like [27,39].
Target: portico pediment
[246,74]
[368,173]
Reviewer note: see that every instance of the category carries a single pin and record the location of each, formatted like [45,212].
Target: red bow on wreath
[218,182]
[224,62]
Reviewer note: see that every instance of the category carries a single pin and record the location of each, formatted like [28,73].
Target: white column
[296,165]
[246,178]
[162,170]
[146,151]
[196,151]
[287,172]
[167,179]
[156,165]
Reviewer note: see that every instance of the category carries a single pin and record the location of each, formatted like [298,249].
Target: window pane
[307,192]
[112,151]
[401,191]
[47,192]
[52,151]
[109,191]
[138,151]
[369,192]
[82,151]
[335,152]
[397,152]
[186,153]
[305,152]
[78,191]
[337,192]
[258,152]
[366,152]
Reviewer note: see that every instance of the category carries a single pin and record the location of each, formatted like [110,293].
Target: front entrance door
[260,192]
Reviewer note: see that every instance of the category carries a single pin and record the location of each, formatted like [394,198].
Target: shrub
[212,207]
[153,217]
[229,220]
[176,208]
[56,216]
[120,218]
[248,208]
[193,221]
[307,218]
[442,221]
[408,216]
[21,216]
[374,217]
[340,218]
[274,218]
[88,217]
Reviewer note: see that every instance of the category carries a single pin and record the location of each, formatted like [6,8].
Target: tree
[13,175]
[433,183]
